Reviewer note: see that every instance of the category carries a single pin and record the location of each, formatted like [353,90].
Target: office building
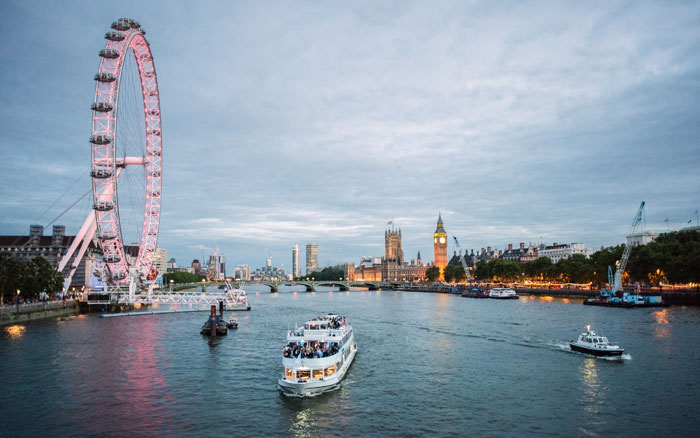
[311,258]
[296,271]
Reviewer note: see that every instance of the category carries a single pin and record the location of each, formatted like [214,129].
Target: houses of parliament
[393,266]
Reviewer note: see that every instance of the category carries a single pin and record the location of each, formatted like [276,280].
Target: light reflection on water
[593,397]
[15,331]
[663,328]
[591,385]
[303,424]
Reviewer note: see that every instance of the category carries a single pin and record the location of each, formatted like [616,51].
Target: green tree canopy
[432,273]
[326,274]
[182,277]
[454,273]
[30,278]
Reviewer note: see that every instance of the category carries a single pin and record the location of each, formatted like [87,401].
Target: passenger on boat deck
[311,350]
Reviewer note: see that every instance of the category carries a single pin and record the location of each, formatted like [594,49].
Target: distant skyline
[297,122]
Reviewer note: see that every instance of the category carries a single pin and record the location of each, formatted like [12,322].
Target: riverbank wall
[563,292]
[673,297]
[31,312]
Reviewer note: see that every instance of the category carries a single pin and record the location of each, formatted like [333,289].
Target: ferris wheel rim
[126,36]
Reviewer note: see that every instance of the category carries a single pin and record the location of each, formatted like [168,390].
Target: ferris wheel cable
[62,195]
[69,207]
[62,213]
[132,210]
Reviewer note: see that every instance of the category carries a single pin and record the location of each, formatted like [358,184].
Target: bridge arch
[341,286]
[368,285]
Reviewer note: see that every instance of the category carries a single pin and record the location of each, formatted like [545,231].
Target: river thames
[427,365]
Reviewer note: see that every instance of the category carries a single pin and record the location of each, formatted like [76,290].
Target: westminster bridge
[311,285]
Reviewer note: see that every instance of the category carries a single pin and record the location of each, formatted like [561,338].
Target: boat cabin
[591,337]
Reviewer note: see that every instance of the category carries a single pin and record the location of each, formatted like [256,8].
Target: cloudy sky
[290,122]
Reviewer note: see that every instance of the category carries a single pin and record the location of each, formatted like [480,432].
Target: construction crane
[464,262]
[636,222]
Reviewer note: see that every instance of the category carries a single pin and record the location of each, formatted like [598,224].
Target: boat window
[318,374]
[330,370]
[303,374]
[289,373]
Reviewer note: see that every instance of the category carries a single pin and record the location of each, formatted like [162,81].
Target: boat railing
[300,332]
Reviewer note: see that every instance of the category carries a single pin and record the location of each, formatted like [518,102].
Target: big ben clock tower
[440,244]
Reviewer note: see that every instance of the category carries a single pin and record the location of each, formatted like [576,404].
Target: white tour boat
[317,356]
[502,293]
[591,343]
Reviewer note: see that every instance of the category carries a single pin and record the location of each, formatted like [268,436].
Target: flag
[690,221]
[665,220]
[390,222]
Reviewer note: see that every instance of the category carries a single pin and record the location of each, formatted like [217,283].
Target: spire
[440,227]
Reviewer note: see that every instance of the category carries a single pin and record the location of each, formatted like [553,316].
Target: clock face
[435,240]
[442,240]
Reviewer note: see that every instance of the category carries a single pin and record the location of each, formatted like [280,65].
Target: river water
[427,365]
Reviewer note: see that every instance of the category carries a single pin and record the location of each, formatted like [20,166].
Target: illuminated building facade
[393,255]
[391,267]
[440,245]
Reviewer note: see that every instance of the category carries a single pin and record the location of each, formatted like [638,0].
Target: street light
[171,285]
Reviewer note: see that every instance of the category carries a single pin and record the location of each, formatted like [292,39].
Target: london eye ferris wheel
[126,144]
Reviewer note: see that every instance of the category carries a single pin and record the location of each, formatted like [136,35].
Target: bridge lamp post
[17,300]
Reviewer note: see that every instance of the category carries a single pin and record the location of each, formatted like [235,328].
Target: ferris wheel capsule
[122,24]
[101,172]
[100,139]
[105,77]
[109,53]
[103,206]
[107,235]
[114,36]
[101,107]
